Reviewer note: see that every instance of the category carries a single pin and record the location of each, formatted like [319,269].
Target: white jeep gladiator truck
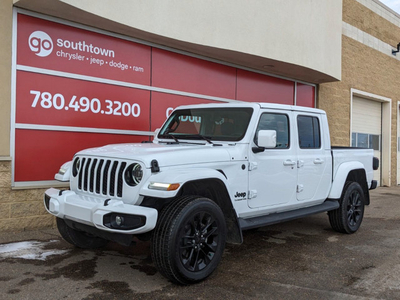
[212,171]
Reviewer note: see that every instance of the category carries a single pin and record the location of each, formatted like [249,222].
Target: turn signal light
[164,186]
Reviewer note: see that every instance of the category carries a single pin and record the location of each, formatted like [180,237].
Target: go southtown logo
[41,44]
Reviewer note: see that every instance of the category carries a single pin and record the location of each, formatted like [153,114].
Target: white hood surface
[165,154]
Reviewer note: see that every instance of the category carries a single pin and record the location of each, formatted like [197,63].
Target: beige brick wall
[368,21]
[21,209]
[5,75]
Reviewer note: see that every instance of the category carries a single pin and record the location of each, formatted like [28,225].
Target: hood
[166,155]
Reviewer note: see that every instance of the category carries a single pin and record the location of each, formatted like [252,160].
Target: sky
[393,4]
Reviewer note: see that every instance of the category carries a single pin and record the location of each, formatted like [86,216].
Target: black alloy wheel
[348,217]
[199,241]
[189,239]
[355,209]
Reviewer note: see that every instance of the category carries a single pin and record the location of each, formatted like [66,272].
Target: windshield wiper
[205,138]
[188,136]
[171,136]
[196,136]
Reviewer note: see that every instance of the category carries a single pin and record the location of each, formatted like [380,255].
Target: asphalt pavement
[301,259]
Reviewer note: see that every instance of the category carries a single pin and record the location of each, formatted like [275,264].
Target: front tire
[189,239]
[78,238]
[348,217]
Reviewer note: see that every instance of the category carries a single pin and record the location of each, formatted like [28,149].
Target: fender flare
[340,177]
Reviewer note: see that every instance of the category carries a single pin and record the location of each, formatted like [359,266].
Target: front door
[273,172]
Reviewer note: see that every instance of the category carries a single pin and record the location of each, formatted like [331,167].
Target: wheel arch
[349,172]
[359,176]
[209,183]
[215,190]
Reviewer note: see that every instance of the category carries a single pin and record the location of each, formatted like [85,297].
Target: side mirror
[267,138]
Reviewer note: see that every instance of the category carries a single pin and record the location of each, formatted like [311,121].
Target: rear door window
[309,132]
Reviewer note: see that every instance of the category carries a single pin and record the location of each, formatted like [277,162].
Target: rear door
[314,158]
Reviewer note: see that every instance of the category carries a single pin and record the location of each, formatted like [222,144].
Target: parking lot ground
[301,259]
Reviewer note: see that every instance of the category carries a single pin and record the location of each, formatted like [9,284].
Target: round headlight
[76,166]
[133,174]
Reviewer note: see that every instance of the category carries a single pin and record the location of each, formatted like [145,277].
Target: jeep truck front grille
[101,176]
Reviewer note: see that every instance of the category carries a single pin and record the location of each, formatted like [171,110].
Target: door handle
[318,161]
[289,162]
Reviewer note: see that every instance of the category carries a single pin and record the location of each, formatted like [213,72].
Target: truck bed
[341,155]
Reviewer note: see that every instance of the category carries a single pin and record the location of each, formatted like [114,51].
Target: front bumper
[96,211]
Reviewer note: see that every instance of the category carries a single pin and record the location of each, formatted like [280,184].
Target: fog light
[119,220]
[123,221]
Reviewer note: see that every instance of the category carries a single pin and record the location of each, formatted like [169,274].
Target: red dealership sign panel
[54,46]
[70,97]
[163,104]
[254,87]
[189,74]
[39,153]
[51,100]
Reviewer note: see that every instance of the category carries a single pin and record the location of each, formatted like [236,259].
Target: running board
[287,215]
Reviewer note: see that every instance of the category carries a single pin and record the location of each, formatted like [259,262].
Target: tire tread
[79,238]
[162,242]
[338,217]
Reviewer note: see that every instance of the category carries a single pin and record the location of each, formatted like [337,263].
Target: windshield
[220,124]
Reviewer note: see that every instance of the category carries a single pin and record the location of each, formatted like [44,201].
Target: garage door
[367,127]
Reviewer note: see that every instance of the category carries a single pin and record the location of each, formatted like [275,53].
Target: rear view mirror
[267,138]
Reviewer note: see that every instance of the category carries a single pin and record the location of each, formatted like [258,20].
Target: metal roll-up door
[367,127]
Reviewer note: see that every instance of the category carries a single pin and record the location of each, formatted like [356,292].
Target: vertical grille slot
[98,176]
[112,178]
[91,180]
[81,173]
[120,179]
[86,175]
[105,176]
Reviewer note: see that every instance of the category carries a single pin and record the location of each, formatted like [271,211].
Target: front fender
[64,174]
[341,176]
[180,176]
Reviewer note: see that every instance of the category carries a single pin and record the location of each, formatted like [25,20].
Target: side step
[287,215]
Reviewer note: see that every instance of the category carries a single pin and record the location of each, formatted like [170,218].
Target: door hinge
[300,188]
[300,163]
[252,194]
[252,165]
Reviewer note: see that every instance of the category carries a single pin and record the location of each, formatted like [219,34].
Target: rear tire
[348,217]
[189,239]
[78,238]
